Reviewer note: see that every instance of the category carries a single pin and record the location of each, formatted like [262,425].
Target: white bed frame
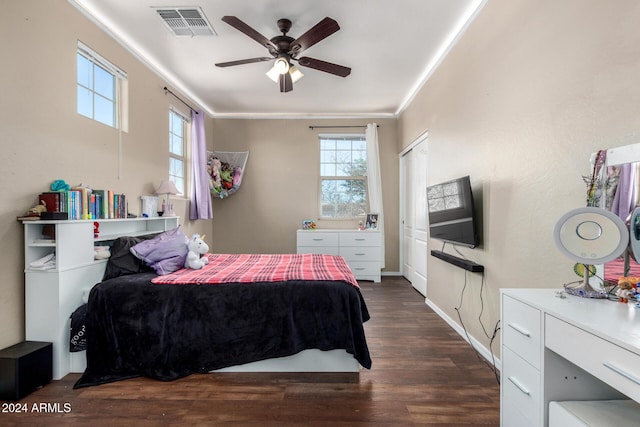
[312,360]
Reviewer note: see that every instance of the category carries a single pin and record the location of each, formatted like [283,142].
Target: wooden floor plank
[423,374]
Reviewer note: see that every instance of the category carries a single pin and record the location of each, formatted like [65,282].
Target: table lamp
[167,188]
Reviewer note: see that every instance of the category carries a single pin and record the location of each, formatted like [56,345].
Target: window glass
[97,85]
[343,171]
[177,136]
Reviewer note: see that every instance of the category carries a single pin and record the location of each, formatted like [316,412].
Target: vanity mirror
[619,193]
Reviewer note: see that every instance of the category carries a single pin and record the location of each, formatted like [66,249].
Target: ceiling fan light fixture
[296,74]
[294,71]
[273,75]
[281,65]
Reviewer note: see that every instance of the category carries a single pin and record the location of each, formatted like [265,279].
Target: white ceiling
[391,47]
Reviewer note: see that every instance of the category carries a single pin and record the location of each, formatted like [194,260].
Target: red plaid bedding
[248,268]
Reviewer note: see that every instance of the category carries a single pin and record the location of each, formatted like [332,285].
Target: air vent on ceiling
[186,21]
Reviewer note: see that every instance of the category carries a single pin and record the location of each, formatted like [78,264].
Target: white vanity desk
[546,340]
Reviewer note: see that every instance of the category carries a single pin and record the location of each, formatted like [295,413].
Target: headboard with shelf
[51,295]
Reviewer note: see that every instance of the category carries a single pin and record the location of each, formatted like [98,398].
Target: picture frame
[371,222]
[149,206]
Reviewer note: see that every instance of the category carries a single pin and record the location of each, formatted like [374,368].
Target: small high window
[100,87]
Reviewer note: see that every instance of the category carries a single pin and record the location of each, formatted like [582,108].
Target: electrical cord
[495,329]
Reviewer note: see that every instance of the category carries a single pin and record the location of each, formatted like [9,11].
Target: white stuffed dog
[195,257]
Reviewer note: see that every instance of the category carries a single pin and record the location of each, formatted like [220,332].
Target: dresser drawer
[520,389]
[360,238]
[327,250]
[360,253]
[603,359]
[318,238]
[361,269]
[522,329]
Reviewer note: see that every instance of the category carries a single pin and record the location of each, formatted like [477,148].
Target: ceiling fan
[286,49]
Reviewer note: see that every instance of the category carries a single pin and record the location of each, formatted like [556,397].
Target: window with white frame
[177,150]
[343,176]
[100,88]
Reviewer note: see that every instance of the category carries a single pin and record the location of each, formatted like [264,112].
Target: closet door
[407,201]
[420,222]
[413,180]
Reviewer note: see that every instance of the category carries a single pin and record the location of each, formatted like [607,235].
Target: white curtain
[374,182]
[200,203]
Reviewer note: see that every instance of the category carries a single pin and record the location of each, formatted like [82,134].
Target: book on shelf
[82,203]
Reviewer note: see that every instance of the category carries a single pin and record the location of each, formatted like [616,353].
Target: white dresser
[564,349]
[361,249]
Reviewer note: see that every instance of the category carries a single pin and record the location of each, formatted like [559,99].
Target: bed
[239,309]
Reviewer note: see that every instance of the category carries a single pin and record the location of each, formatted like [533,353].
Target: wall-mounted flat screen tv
[451,212]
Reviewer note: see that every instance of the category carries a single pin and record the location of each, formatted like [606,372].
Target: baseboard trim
[390,273]
[480,348]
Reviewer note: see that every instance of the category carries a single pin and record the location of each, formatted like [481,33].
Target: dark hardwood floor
[423,373]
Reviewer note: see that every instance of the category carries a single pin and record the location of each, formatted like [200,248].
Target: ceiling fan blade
[286,84]
[325,66]
[246,29]
[243,61]
[318,32]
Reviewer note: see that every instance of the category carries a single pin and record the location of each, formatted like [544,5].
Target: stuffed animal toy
[38,209]
[216,181]
[626,287]
[227,177]
[195,257]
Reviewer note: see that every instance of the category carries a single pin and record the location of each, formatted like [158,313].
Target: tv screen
[451,214]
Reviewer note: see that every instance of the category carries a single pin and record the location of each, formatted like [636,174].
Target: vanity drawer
[318,238]
[520,389]
[360,238]
[360,253]
[522,329]
[603,359]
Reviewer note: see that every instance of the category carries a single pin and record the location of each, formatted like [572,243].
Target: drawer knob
[360,254]
[520,387]
[622,372]
[317,239]
[520,330]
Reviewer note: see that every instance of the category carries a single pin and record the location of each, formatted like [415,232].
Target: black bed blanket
[136,328]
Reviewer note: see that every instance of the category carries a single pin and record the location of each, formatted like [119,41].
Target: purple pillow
[165,253]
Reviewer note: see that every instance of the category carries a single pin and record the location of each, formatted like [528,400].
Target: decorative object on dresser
[52,294]
[372,222]
[361,249]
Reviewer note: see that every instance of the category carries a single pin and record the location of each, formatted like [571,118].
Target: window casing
[100,86]
[178,126]
[343,177]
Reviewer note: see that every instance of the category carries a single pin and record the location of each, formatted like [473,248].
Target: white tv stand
[557,349]
[52,295]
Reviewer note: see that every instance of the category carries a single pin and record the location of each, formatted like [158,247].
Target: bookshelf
[52,295]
